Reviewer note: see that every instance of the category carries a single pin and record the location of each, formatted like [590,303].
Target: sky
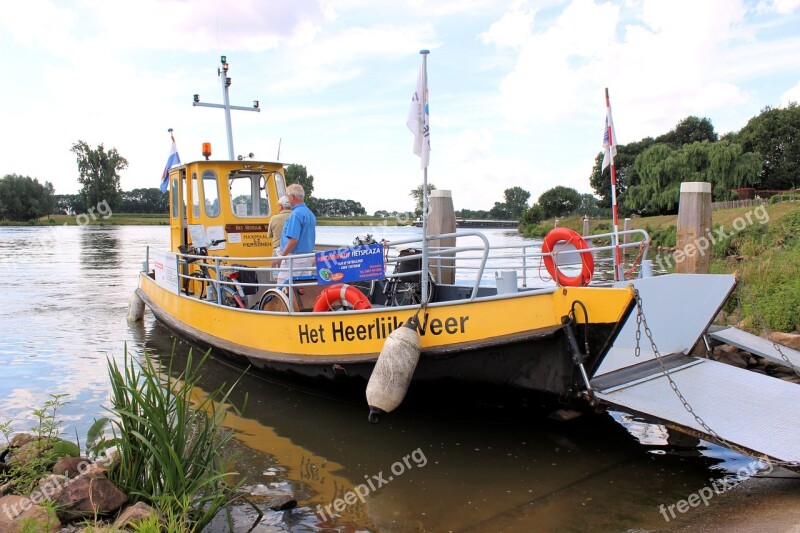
[516,88]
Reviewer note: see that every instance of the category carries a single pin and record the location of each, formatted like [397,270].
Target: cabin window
[210,193]
[249,196]
[195,197]
[280,184]
[174,197]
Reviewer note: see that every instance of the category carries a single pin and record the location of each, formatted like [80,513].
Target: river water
[438,464]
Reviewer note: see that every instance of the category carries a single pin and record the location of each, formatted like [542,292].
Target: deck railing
[473,260]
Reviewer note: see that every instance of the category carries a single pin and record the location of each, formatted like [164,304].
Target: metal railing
[469,261]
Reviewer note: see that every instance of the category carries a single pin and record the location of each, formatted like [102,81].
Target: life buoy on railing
[566,236]
[341,296]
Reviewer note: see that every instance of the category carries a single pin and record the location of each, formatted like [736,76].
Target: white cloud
[512,30]
[792,95]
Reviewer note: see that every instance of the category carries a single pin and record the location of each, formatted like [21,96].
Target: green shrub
[171,452]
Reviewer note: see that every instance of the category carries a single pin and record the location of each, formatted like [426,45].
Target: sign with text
[346,265]
[165,266]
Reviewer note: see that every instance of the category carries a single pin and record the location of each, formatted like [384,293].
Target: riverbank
[147,219]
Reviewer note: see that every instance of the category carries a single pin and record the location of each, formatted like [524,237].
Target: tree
[559,201]
[689,130]
[516,201]
[775,136]
[662,169]
[589,206]
[149,200]
[23,198]
[533,215]
[298,174]
[473,214]
[98,174]
[416,194]
[499,212]
[70,204]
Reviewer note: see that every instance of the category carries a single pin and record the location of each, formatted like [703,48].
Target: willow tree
[98,174]
[662,169]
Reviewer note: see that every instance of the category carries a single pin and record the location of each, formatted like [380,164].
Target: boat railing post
[219,280]
[524,266]
[146,264]
[181,278]
[291,283]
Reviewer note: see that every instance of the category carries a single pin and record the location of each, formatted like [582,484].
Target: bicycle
[226,282]
[404,287]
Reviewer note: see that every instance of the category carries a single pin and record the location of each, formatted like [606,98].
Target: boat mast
[226,82]
[425,260]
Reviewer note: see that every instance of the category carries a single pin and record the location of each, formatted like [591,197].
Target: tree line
[764,155]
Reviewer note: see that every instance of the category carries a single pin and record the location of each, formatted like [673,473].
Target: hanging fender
[567,236]
[341,296]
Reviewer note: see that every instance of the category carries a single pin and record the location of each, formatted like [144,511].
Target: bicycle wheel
[196,284]
[274,300]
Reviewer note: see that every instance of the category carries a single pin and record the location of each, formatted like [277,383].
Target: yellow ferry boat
[216,286]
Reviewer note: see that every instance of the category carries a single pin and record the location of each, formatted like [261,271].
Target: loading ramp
[757,414]
[756,346]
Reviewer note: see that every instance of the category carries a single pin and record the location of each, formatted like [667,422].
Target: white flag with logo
[419,119]
[609,145]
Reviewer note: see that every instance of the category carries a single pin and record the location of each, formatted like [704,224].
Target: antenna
[226,82]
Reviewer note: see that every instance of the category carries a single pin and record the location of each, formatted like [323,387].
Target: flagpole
[425,260]
[618,273]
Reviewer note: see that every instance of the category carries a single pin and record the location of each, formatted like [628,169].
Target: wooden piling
[441,219]
[693,247]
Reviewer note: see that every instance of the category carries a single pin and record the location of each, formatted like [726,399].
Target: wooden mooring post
[441,219]
[693,247]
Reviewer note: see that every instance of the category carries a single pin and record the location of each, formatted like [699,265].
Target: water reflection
[99,247]
[506,468]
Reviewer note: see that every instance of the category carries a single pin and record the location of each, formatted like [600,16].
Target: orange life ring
[567,236]
[339,296]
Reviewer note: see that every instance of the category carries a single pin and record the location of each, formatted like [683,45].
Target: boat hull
[517,341]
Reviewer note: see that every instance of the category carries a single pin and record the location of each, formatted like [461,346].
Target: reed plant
[171,446]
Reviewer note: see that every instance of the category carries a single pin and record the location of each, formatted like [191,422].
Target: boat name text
[379,328]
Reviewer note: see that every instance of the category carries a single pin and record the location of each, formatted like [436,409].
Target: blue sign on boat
[346,265]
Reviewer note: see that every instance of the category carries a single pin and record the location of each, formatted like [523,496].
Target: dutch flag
[172,160]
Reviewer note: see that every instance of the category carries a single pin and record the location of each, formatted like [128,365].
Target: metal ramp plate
[678,308]
[755,412]
[756,345]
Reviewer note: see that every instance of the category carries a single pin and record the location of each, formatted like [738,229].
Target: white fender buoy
[391,376]
[135,308]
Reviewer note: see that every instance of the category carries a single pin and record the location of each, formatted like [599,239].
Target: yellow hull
[513,340]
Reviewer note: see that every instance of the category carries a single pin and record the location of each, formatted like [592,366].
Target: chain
[639,318]
[762,326]
[672,384]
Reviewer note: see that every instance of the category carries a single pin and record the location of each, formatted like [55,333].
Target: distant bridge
[467,223]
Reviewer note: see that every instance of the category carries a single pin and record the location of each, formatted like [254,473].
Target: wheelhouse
[227,201]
